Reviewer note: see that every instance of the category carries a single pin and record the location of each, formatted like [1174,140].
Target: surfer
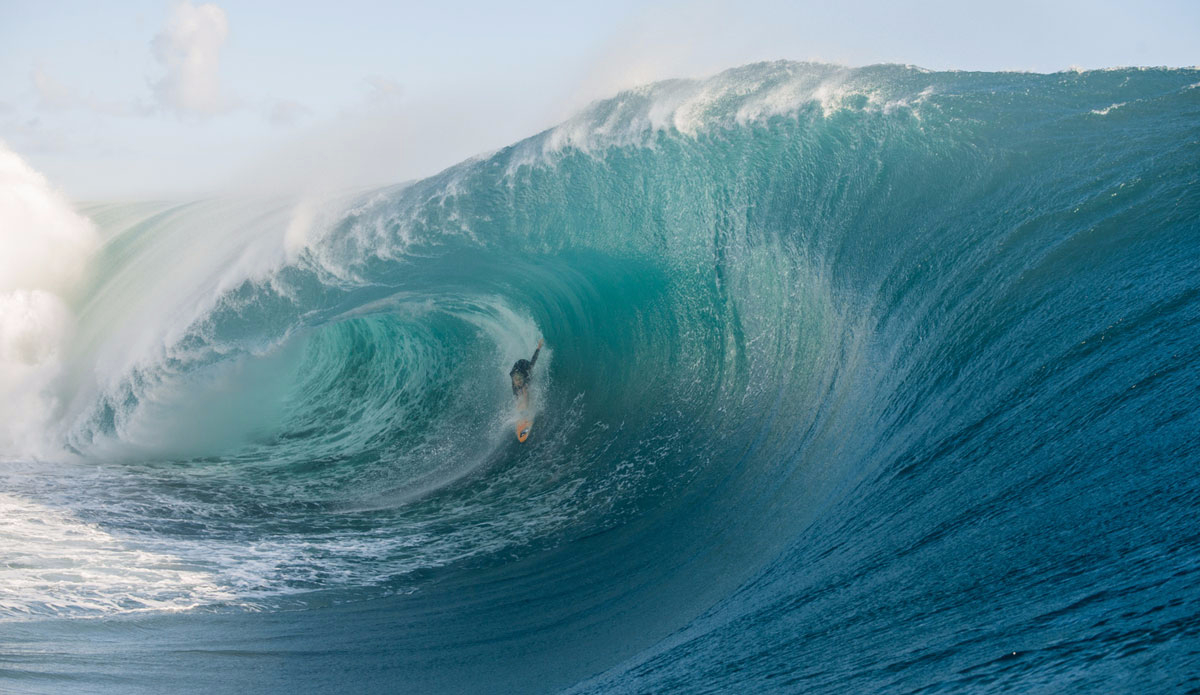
[520,372]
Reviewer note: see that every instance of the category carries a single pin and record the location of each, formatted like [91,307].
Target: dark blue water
[871,380]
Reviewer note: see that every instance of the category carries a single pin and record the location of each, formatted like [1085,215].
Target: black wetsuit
[523,368]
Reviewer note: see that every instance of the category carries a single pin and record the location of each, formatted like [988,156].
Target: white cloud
[189,49]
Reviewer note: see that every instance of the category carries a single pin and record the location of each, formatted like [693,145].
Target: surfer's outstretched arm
[533,360]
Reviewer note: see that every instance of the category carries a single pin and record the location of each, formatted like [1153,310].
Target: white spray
[44,250]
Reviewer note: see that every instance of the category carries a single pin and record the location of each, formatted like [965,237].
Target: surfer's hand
[541,342]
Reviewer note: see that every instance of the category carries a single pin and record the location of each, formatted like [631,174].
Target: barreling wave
[861,342]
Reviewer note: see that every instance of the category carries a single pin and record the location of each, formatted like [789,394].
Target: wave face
[856,380]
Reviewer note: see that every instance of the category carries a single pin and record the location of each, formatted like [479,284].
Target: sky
[162,98]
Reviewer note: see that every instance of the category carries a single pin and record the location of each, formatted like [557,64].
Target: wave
[815,335]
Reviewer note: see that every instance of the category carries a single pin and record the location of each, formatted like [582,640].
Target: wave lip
[734,98]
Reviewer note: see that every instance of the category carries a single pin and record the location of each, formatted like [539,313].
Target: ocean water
[855,380]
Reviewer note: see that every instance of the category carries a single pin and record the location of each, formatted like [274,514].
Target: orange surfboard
[524,418]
